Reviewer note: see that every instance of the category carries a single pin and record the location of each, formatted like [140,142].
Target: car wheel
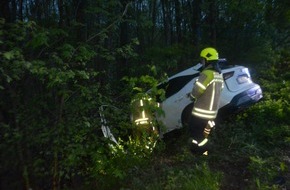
[186,115]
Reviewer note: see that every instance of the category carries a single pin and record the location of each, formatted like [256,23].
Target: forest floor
[235,171]
[235,175]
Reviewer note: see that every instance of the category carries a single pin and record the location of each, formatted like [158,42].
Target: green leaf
[138,89]
[40,39]
[83,74]
[67,51]
[9,55]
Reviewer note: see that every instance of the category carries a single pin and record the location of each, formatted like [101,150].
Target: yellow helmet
[210,54]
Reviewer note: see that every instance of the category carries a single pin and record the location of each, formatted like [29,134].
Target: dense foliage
[60,61]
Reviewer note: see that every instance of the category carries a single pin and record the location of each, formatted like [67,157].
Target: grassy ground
[232,164]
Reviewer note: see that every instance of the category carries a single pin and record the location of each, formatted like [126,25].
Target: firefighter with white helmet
[206,96]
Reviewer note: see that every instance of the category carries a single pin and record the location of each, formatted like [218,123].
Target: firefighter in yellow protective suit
[206,96]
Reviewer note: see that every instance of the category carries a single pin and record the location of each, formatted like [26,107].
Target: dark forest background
[61,60]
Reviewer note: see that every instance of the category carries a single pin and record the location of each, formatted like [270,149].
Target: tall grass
[197,177]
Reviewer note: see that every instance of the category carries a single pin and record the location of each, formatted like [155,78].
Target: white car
[239,92]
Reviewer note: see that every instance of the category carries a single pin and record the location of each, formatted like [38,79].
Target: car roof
[189,71]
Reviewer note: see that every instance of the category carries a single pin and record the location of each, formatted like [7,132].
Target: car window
[176,84]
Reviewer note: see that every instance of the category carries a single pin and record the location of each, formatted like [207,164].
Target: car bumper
[248,97]
[244,99]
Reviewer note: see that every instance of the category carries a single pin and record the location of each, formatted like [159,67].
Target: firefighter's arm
[199,86]
[197,90]
[202,83]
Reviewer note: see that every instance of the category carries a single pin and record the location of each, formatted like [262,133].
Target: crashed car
[239,92]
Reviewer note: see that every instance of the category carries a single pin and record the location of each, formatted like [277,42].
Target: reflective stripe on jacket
[207,91]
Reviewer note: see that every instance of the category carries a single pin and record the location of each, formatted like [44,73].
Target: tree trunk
[5,11]
[153,16]
[212,22]
[80,17]
[166,25]
[196,19]
[61,13]
[178,21]
[124,39]
[21,10]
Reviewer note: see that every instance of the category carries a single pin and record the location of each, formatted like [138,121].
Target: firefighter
[206,96]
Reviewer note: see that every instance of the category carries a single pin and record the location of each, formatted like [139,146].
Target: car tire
[186,115]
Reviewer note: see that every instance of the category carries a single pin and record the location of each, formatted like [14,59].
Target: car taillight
[244,78]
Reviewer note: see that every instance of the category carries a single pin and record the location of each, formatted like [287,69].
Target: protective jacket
[207,92]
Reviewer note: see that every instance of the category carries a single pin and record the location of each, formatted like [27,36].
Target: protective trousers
[199,130]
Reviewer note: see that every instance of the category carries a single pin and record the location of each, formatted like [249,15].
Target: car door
[176,93]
